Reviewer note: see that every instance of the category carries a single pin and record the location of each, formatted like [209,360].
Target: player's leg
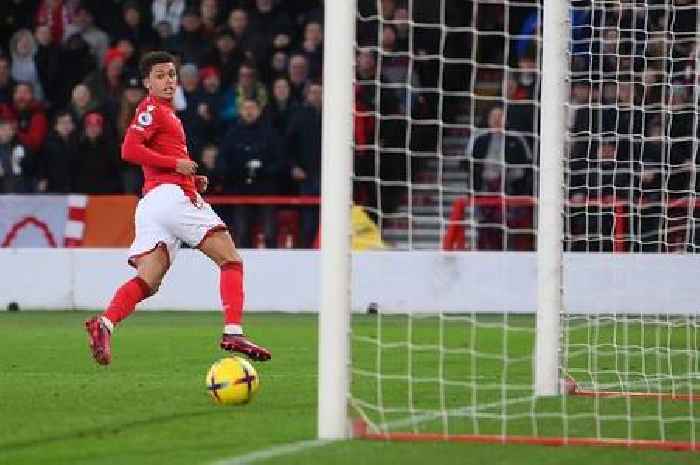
[151,267]
[150,270]
[218,246]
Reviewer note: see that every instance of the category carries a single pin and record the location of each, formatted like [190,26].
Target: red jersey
[155,139]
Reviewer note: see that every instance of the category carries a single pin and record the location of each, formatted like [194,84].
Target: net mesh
[446,156]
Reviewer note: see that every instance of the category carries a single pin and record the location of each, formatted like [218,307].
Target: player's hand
[201,183]
[185,166]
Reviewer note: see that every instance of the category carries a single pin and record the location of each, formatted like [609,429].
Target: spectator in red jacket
[32,125]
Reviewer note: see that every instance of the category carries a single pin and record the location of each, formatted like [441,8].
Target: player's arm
[135,150]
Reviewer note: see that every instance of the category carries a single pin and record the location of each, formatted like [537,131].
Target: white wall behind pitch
[287,280]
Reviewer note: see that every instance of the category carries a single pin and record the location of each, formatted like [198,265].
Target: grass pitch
[150,406]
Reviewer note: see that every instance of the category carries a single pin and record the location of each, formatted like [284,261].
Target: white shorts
[165,215]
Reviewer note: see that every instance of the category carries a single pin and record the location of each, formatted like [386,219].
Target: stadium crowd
[250,100]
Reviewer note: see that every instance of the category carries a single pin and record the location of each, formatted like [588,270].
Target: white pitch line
[275,451]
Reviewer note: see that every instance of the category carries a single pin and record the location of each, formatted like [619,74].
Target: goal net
[450,154]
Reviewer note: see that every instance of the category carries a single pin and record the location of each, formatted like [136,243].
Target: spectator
[500,163]
[84,24]
[106,85]
[249,42]
[128,51]
[279,64]
[98,160]
[134,92]
[169,11]
[207,166]
[16,15]
[190,43]
[312,48]
[304,157]
[134,29]
[6,81]
[55,14]
[225,56]
[48,64]
[521,112]
[298,75]
[211,101]
[273,24]
[196,118]
[282,107]
[402,28]
[396,70]
[166,36]
[23,49]
[76,62]
[58,156]
[32,124]
[15,161]
[81,103]
[247,87]
[249,161]
[209,13]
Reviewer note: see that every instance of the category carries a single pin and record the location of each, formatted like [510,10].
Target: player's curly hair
[153,58]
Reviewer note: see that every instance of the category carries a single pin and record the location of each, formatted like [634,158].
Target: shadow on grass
[106,430]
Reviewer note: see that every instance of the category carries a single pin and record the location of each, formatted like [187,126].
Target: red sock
[126,298]
[232,292]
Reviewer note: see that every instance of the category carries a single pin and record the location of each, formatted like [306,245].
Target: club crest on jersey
[145,118]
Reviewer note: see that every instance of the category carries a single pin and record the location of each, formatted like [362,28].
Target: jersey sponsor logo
[144,118]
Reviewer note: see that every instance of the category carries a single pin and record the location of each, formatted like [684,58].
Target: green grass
[150,406]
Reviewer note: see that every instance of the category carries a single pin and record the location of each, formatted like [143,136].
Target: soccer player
[170,212]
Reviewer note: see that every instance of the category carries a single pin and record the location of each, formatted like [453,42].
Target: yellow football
[232,381]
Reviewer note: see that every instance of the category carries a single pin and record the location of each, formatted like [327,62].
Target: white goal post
[336,195]
[550,227]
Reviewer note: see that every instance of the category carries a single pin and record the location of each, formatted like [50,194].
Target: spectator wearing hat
[133,28]
[190,42]
[212,99]
[58,155]
[107,84]
[23,49]
[99,159]
[29,115]
[15,159]
[128,49]
[6,81]
[225,56]
[84,24]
